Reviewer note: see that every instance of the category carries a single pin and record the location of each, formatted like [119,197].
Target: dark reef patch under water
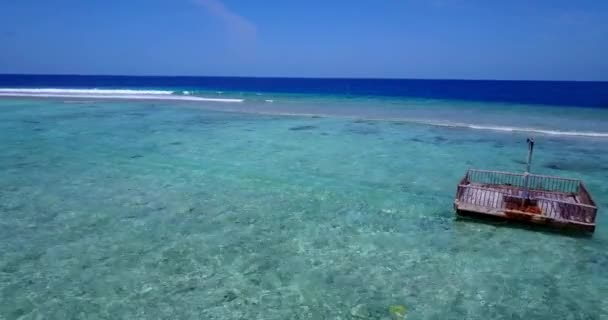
[518,161]
[301,128]
[30,121]
[439,139]
[576,166]
[363,129]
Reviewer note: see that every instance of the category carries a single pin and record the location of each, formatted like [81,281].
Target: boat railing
[563,210]
[533,198]
[535,181]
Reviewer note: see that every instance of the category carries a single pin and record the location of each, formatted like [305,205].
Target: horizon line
[288,77]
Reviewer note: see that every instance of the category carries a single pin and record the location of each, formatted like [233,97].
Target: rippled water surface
[143,210]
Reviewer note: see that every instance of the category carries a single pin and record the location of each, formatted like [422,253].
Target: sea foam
[513,129]
[131,94]
[107,94]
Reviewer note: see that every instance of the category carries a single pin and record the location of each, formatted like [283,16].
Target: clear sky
[464,39]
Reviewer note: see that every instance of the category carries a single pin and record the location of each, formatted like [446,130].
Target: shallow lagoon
[163,210]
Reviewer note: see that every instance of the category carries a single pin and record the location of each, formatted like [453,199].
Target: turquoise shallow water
[143,210]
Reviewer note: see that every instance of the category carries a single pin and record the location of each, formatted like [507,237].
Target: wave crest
[107,94]
[513,129]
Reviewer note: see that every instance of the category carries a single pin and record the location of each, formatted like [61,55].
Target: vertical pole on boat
[528,164]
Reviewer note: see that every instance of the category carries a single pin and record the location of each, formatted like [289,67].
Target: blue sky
[464,39]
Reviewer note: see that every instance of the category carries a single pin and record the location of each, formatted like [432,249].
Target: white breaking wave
[82,91]
[129,94]
[514,129]
[106,94]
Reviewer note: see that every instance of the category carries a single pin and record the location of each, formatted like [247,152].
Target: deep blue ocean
[562,93]
[260,198]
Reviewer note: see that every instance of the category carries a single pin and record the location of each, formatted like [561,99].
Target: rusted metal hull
[551,201]
[522,217]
